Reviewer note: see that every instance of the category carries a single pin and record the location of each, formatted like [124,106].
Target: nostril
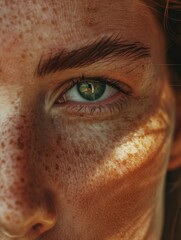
[31,222]
[37,227]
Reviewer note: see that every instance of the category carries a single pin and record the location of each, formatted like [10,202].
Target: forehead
[72,22]
[32,29]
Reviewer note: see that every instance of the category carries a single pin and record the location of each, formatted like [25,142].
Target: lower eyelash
[100,108]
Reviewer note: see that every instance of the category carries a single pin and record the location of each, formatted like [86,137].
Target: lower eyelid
[111,106]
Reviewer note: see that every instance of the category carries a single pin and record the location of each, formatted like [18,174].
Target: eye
[90,93]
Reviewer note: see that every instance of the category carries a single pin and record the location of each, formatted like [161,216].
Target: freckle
[31,55]
[11,142]
[47,168]
[40,38]
[2,144]
[19,22]
[124,162]
[7,217]
[136,145]
[22,180]
[28,17]
[90,7]
[58,141]
[14,16]
[12,22]
[34,1]
[28,31]
[20,144]
[44,9]
[18,94]
[90,22]
[57,167]
[55,10]
[18,128]
[23,56]
[53,22]
[3,161]
[20,36]
[130,155]
[17,202]
[18,158]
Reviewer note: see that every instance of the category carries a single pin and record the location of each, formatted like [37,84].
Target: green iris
[91,90]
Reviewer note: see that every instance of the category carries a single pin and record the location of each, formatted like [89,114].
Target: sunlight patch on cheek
[148,145]
[145,143]
[133,153]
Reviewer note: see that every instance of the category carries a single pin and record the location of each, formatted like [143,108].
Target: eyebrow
[106,48]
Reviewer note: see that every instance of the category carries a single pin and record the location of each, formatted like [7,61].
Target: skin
[71,175]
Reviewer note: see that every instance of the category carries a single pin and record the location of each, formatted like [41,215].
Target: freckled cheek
[80,155]
[87,162]
[100,170]
[72,155]
[121,188]
[101,187]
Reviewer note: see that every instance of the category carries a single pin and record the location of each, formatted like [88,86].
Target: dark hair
[168,12]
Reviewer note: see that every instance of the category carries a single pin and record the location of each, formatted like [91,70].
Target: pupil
[91,90]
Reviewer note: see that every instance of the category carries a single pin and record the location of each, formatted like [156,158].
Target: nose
[27,226]
[27,208]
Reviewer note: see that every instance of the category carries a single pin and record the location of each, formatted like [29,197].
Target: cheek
[103,174]
[82,156]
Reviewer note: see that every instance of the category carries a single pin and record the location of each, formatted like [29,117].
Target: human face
[82,169]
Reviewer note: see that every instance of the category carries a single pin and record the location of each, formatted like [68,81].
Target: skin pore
[65,172]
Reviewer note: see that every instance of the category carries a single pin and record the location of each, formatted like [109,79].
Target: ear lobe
[175,158]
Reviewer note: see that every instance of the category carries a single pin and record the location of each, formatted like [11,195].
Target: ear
[175,158]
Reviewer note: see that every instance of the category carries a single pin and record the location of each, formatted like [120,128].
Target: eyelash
[91,108]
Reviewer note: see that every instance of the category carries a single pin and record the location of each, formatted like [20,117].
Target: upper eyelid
[74,80]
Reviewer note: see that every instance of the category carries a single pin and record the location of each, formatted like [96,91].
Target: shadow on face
[86,120]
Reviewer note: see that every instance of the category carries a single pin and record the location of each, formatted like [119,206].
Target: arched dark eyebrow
[106,48]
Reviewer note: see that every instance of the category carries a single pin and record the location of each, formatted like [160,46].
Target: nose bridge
[17,142]
[23,194]
[17,151]
[17,130]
